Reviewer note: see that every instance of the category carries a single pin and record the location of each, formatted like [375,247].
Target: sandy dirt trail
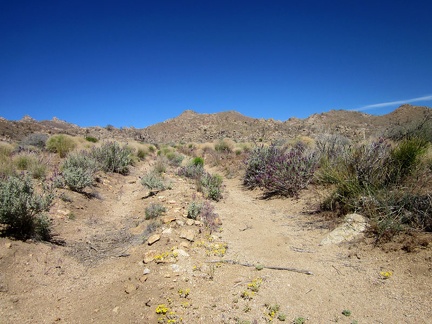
[98,276]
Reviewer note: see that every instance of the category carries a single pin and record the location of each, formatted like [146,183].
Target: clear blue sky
[136,63]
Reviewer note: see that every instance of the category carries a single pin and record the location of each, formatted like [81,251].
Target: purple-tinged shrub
[278,171]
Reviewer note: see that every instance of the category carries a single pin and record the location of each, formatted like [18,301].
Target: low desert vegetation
[60,144]
[386,179]
[280,171]
[22,209]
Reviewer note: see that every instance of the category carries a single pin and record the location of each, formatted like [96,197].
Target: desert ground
[264,264]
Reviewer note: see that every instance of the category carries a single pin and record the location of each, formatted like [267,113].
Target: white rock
[353,227]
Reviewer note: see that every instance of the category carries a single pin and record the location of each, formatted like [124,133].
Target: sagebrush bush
[78,170]
[113,158]
[211,186]
[191,171]
[153,181]
[280,172]
[174,159]
[36,139]
[21,209]
[154,210]
[331,147]
[194,209]
[60,144]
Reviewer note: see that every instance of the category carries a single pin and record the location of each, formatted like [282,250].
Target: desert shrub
[280,172]
[150,228]
[153,181]
[211,186]
[160,165]
[154,210]
[223,146]
[113,158]
[142,153]
[194,209]
[78,170]
[406,154]
[110,127]
[60,144]
[175,159]
[378,181]
[191,171]
[23,161]
[91,139]
[151,149]
[198,161]
[419,128]
[36,139]
[208,216]
[21,209]
[331,146]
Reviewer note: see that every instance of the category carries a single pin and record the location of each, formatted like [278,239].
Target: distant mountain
[191,126]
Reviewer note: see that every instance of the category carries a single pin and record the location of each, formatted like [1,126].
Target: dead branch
[260,267]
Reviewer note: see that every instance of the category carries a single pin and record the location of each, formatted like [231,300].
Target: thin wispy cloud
[392,103]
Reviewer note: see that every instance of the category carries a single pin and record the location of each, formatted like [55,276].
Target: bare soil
[98,274]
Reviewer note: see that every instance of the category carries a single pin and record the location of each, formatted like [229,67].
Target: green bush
[154,210]
[142,153]
[23,161]
[21,209]
[198,161]
[91,139]
[406,155]
[60,144]
[78,170]
[113,158]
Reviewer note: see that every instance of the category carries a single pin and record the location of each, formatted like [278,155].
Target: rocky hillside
[194,127]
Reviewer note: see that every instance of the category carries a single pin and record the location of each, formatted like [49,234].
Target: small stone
[162,198]
[181,253]
[175,268]
[218,221]
[130,287]
[187,234]
[171,202]
[116,309]
[180,222]
[198,223]
[168,219]
[154,238]
[64,212]
[8,245]
[146,271]
[149,256]
[143,279]
[190,222]
[184,245]
[167,231]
